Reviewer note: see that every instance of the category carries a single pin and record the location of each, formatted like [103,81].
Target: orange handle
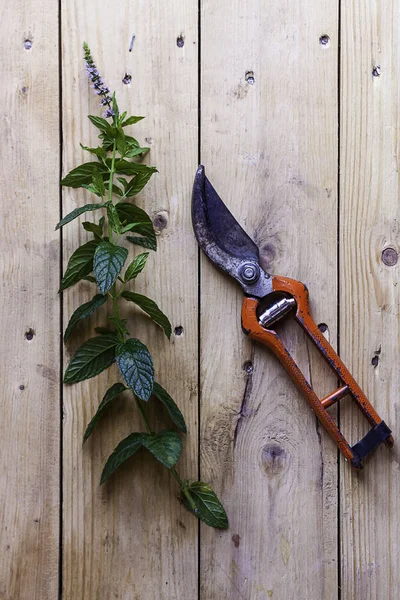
[270,338]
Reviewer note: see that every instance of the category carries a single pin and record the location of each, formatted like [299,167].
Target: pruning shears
[269,299]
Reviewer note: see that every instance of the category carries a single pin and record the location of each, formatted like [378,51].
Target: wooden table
[294,109]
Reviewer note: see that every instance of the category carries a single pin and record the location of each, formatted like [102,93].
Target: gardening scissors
[269,299]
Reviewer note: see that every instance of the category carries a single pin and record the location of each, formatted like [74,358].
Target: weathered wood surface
[270,146]
[369,226]
[29,319]
[131,538]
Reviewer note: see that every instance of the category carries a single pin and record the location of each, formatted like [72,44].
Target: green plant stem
[174,472]
[184,489]
[140,407]
[111,181]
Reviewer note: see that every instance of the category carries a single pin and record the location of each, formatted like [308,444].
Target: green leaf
[93,228]
[125,449]
[107,264]
[144,242]
[165,446]
[91,358]
[120,325]
[104,330]
[137,183]
[83,175]
[130,214]
[116,190]
[136,152]
[132,168]
[175,414]
[208,508]
[113,218]
[99,151]
[89,278]
[151,308]
[136,266]
[84,311]
[98,183]
[78,211]
[121,142]
[131,121]
[115,106]
[79,265]
[136,365]
[123,181]
[100,123]
[110,395]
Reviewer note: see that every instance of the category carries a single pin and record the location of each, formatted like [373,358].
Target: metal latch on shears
[269,299]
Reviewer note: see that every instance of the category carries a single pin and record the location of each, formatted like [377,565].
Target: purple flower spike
[97,82]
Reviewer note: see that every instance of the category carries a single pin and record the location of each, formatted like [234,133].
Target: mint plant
[115,176]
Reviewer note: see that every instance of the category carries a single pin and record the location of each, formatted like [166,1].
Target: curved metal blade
[223,240]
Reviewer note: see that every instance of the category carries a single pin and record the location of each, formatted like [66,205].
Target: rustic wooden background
[306,155]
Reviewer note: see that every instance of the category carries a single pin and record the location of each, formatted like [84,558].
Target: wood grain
[270,148]
[132,539]
[369,223]
[29,320]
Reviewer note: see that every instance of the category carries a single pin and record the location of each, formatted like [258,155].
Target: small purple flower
[97,82]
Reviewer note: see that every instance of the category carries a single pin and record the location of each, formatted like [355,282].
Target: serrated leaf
[208,508]
[83,174]
[99,151]
[136,266]
[150,308]
[113,392]
[120,325]
[120,139]
[123,181]
[113,218]
[93,228]
[100,123]
[137,183]
[84,311]
[78,211]
[131,121]
[136,365]
[165,446]
[107,264]
[115,106]
[136,152]
[132,168]
[104,330]
[131,214]
[116,190]
[91,358]
[98,183]
[125,449]
[144,242]
[175,414]
[79,265]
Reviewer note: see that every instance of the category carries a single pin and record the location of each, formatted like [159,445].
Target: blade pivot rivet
[249,273]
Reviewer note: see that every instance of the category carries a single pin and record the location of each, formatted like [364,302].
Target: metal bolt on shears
[269,299]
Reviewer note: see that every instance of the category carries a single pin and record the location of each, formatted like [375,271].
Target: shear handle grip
[268,337]
[300,293]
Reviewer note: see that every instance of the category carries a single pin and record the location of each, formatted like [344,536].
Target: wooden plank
[369,218]
[29,425]
[270,147]
[131,538]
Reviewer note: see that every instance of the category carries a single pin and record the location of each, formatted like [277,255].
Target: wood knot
[268,253]
[274,459]
[160,221]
